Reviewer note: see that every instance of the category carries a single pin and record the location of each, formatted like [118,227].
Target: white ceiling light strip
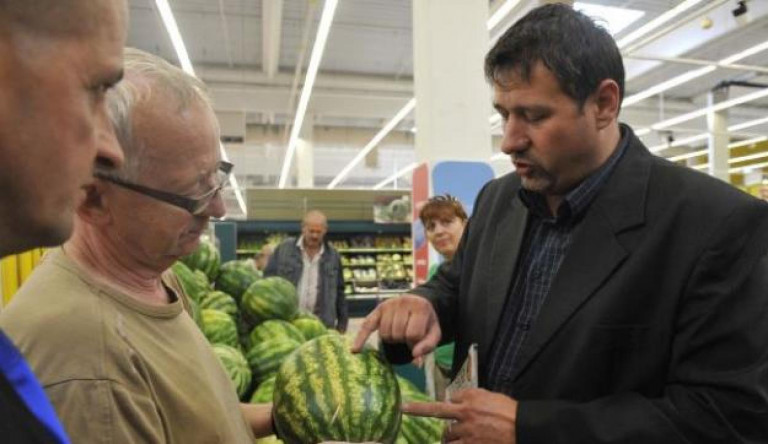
[658,21]
[186,65]
[702,136]
[404,111]
[173,32]
[306,91]
[747,167]
[731,146]
[690,75]
[392,178]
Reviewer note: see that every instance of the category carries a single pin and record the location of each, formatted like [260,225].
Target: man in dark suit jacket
[614,296]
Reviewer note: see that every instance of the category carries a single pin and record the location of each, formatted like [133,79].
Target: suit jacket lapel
[596,251]
[506,250]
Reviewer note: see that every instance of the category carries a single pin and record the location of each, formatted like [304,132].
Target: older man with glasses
[101,321]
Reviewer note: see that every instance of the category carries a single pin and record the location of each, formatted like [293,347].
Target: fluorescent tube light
[501,13]
[314,64]
[616,19]
[399,173]
[658,21]
[404,111]
[173,32]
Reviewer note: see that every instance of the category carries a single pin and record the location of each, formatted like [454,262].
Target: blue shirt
[545,244]
[20,377]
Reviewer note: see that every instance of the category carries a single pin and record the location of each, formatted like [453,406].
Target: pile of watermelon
[273,352]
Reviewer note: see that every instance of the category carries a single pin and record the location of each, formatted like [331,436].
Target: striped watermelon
[218,300]
[270,298]
[205,258]
[265,357]
[235,277]
[263,393]
[275,329]
[325,393]
[236,367]
[193,284]
[310,328]
[416,429]
[195,312]
[219,327]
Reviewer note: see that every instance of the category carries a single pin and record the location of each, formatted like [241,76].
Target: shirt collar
[577,200]
[300,244]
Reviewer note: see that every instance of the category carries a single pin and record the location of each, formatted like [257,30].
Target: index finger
[442,410]
[370,324]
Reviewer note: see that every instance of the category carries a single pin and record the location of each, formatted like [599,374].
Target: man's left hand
[476,415]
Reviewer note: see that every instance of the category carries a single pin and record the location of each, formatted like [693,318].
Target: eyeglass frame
[194,205]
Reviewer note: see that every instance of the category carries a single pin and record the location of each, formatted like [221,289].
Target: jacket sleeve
[271,268]
[716,389]
[342,313]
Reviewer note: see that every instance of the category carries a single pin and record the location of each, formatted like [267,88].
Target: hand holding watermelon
[406,319]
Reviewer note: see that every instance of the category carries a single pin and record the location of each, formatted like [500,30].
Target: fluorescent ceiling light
[642,132]
[404,111]
[314,64]
[746,168]
[713,108]
[392,178]
[663,86]
[690,75]
[169,21]
[731,146]
[748,157]
[702,136]
[173,32]
[748,124]
[658,21]
[615,18]
[501,13]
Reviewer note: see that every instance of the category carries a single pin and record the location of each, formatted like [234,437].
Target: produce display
[205,258]
[317,376]
[218,300]
[235,277]
[236,366]
[323,392]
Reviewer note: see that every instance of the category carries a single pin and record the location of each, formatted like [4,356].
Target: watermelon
[310,328]
[236,367]
[270,298]
[193,284]
[235,277]
[194,312]
[263,393]
[275,329]
[323,392]
[205,258]
[218,300]
[416,429]
[265,357]
[219,327]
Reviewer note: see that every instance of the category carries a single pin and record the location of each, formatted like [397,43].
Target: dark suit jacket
[655,329]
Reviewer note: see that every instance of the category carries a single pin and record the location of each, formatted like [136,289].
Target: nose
[108,151]
[216,207]
[515,137]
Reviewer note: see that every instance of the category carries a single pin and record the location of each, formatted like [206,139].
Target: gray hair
[146,75]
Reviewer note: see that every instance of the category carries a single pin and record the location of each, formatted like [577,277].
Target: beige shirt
[118,370]
[310,276]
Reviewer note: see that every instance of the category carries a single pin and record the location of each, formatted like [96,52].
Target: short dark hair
[579,53]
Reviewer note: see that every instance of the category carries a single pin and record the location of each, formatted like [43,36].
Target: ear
[94,209]
[607,99]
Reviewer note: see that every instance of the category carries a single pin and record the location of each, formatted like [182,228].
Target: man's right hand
[406,319]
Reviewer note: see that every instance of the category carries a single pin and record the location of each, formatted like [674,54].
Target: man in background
[314,267]
[100,320]
[58,58]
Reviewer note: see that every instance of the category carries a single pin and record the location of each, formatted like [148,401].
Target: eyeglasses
[194,205]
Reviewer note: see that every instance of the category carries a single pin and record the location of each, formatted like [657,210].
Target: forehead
[183,142]
[541,84]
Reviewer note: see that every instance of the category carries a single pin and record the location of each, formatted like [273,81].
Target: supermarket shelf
[373,265]
[373,250]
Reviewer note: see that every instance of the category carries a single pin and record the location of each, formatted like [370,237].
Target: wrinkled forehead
[65,18]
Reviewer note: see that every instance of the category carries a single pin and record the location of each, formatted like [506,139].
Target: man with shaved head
[57,60]
[314,267]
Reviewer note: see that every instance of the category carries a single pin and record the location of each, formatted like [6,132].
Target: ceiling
[247,52]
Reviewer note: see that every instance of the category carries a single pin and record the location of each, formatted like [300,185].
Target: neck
[93,250]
